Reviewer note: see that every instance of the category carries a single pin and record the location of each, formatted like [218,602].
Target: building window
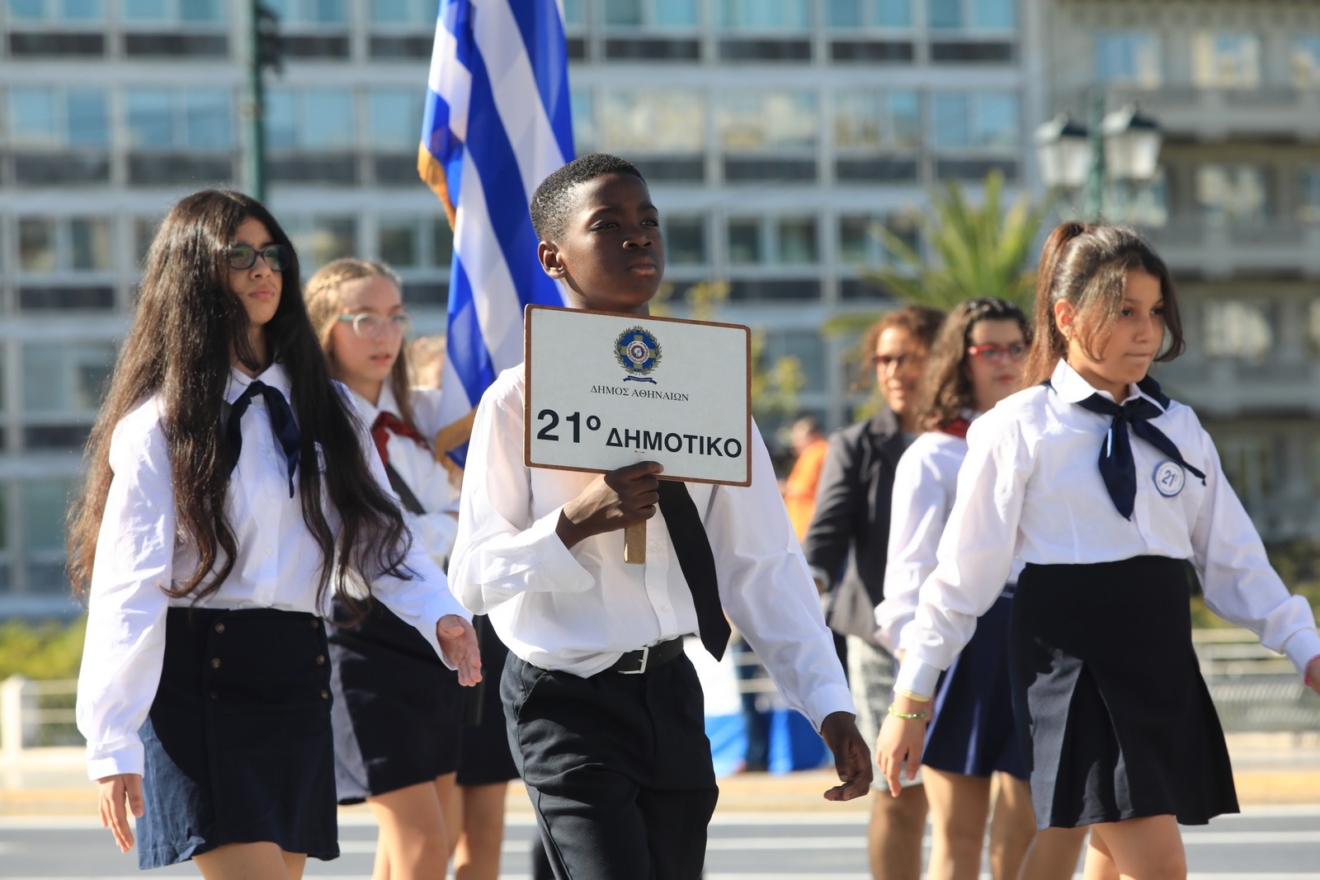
[795,241]
[971,14]
[1249,464]
[584,122]
[70,244]
[651,13]
[745,248]
[862,243]
[415,242]
[1308,207]
[395,119]
[870,13]
[58,118]
[1238,329]
[575,13]
[418,12]
[144,232]
[66,378]
[1226,60]
[165,119]
[768,121]
[174,11]
[977,120]
[764,15]
[311,119]
[1232,193]
[57,10]
[653,121]
[807,347]
[875,120]
[1130,58]
[1306,61]
[310,12]
[44,506]
[318,239]
[685,240]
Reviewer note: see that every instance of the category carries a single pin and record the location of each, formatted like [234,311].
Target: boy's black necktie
[695,558]
[281,422]
[1118,468]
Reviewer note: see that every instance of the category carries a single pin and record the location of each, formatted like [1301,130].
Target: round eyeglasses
[996,354]
[368,326]
[244,256]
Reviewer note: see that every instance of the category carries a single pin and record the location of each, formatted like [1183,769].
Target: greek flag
[497,122]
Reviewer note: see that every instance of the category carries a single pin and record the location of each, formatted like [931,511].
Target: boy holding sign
[604,711]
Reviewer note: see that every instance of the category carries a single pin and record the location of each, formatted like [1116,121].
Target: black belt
[648,658]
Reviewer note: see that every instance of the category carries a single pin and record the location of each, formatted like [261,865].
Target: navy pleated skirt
[397,710]
[238,742]
[974,730]
[1119,721]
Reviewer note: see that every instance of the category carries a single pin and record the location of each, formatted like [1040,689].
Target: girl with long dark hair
[227,498]
[1106,489]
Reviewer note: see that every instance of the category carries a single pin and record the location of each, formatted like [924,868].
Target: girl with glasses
[1110,495]
[229,495]
[399,714]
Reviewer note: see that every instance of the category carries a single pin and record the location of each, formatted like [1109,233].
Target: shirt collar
[274,376]
[1072,388]
[385,403]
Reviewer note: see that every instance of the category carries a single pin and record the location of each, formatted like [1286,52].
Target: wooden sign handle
[634,543]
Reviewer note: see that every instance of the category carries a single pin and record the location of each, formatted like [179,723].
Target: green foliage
[44,650]
[980,251]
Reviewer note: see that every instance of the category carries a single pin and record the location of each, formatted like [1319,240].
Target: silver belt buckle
[646,656]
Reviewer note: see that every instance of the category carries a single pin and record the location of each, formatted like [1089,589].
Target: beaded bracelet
[908,716]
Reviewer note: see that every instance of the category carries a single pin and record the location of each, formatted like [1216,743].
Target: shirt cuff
[549,561]
[825,701]
[1302,647]
[916,678]
[113,758]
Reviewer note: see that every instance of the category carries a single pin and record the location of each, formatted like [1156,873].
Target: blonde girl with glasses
[434,783]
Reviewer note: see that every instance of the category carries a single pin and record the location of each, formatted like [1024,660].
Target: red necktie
[387,423]
[957,428]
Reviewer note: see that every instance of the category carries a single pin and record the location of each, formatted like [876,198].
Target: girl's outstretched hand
[899,749]
[1313,674]
[458,642]
[112,791]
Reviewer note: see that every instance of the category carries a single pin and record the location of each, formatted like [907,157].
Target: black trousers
[618,768]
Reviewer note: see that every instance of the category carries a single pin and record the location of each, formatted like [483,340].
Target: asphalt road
[1264,844]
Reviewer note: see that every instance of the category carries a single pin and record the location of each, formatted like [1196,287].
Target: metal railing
[1254,689]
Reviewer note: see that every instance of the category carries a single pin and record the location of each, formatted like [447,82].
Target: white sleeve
[767,591]
[919,509]
[975,553]
[500,551]
[1240,584]
[435,532]
[134,565]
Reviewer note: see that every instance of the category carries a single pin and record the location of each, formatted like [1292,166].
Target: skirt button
[220,627]
[325,695]
[215,662]
[320,659]
[215,695]
[312,623]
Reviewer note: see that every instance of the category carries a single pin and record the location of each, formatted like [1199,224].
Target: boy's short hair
[553,199]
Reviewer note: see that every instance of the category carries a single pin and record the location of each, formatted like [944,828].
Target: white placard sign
[606,390]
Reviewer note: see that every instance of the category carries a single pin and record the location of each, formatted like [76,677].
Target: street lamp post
[1122,145]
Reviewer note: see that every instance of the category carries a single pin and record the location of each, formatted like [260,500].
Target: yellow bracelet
[908,716]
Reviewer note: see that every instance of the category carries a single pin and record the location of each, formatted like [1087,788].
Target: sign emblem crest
[638,352]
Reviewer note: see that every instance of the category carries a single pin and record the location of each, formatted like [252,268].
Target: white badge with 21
[606,390]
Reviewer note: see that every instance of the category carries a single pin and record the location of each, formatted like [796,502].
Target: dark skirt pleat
[397,710]
[484,755]
[974,731]
[1120,724]
[238,741]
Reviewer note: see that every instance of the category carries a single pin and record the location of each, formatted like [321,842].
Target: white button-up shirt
[436,529]
[138,554]
[579,609]
[1031,486]
[925,484]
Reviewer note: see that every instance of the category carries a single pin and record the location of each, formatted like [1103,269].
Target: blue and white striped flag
[497,123]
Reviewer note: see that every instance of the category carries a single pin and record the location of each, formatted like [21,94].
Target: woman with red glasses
[976,361]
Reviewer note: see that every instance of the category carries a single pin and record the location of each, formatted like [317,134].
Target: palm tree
[978,251]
